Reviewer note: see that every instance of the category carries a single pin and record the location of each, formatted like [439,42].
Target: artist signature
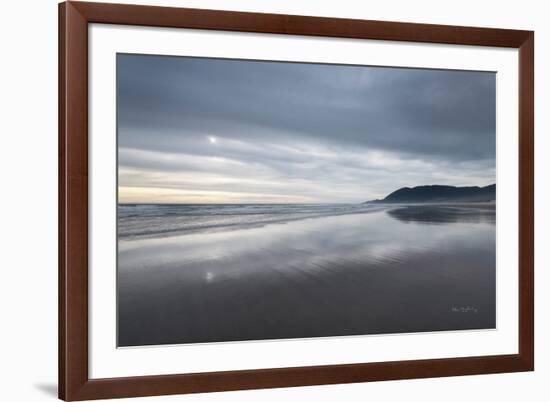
[466,309]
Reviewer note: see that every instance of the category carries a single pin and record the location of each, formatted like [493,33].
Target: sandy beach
[390,270]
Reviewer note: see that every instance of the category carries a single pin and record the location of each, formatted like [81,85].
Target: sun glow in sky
[295,132]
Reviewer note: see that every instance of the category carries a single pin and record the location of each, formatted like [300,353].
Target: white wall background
[28,199]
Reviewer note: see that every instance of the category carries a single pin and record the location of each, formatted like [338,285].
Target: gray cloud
[320,132]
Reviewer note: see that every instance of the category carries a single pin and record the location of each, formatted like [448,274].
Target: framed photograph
[259,200]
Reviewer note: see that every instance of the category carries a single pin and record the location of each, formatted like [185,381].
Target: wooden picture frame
[74,381]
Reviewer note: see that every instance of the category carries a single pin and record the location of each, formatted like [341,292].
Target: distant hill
[437,193]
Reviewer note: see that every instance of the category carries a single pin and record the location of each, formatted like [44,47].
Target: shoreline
[228,227]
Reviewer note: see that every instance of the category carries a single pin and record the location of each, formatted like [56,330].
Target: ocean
[155,220]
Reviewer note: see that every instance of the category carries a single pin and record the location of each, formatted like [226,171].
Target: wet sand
[405,269]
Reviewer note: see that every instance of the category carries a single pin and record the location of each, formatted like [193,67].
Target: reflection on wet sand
[380,272]
[480,213]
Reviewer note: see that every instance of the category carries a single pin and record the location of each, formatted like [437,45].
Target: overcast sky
[196,130]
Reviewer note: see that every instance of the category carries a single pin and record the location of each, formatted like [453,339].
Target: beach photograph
[269,200]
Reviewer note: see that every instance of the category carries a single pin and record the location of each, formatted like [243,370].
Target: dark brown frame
[74,383]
